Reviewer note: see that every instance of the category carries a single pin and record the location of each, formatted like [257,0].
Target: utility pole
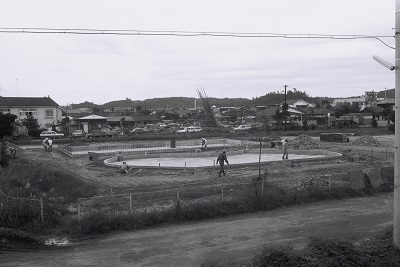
[285,108]
[396,214]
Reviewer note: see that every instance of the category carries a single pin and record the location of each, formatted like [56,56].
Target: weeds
[29,183]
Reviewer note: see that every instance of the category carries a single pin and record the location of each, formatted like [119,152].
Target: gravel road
[235,238]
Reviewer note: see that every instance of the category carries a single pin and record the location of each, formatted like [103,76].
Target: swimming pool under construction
[188,153]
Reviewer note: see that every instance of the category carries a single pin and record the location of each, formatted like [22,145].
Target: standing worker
[221,160]
[50,143]
[203,143]
[285,149]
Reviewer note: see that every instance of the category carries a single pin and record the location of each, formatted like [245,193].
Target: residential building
[298,103]
[92,122]
[121,121]
[361,100]
[44,109]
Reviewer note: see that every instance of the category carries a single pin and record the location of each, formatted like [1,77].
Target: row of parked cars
[149,128]
[173,127]
[81,133]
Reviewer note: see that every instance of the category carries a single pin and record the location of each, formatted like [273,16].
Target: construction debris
[305,142]
[366,141]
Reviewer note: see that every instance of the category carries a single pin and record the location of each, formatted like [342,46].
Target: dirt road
[235,238]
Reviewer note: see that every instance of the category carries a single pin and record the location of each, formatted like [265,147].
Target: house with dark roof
[44,109]
[120,121]
[141,120]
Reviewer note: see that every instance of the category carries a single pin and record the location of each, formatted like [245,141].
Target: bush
[391,127]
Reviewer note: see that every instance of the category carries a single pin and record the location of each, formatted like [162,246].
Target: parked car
[117,132]
[242,128]
[152,128]
[99,133]
[79,133]
[51,134]
[161,124]
[137,130]
[190,129]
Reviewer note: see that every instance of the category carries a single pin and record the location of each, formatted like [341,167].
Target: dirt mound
[304,142]
[366,141]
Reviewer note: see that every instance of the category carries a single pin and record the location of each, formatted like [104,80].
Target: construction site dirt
[110,178]
[234,238]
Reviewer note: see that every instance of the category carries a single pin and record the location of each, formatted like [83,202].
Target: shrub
[391,127]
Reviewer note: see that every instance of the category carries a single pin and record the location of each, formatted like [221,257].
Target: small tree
[31,123]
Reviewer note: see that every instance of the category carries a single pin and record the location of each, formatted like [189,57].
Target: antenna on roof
[16,81]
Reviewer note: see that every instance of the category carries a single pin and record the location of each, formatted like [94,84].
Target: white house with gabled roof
[44,109]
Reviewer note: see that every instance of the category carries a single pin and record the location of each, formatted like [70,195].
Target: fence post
[130,203]
[79,210]
[41,210]
[262,186]
[178,206]
[330,184]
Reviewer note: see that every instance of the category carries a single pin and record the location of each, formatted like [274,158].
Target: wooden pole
[130,203]
[396,200]
[41,210]
[79,210]
[262,186]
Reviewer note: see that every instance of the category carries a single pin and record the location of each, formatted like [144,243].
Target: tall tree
[6,124]
[6,129]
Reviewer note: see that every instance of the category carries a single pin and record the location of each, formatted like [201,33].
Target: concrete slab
[210,161]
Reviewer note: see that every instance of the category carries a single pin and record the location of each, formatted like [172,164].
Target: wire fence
[31,207]
[158,200]
[153,146]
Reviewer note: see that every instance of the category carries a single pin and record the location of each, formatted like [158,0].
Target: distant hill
[190,102]
[168,103]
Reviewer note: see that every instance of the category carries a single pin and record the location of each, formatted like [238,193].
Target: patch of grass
[12,237]
[42,181]
[23,179]
[99,223]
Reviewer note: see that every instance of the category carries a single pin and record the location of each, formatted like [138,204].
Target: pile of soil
[304,142]
[366,141]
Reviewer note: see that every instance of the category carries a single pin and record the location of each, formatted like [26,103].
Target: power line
[86,31]
[187,33]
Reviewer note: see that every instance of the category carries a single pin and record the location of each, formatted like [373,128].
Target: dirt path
[221,240]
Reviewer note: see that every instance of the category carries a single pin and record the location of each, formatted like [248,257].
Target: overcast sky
[102,68]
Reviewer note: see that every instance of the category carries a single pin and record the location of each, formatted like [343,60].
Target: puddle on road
[57,242]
